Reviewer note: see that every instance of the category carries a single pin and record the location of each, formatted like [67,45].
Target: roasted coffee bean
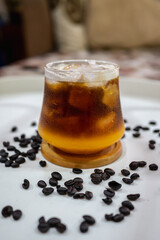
[84,227]
[133,197]
[69,183]
[53,182]
[17,151]
[41,184]
[127,129]
[124,210]
[61,228]
[47,191]
[42,220]
[3,159]
[23,135]
[78,179]
[42,163]
[53,222]
[136,129]
[23,154]
[134,165]
[16,139]
[109,171]
[7,211]
[14,129]
[96,181]
[108,217]
[109,192]
[33,124]
[20,160]
[95,176]
[32,156]
[151,146]
[136,135]
[105,176]
[10,148]
[114,185]
[72,190]
[156,130]
[23,144]
[15,165]
[8,163]
[17,214]
[77,170]
[31,151]
[78,186]
[62,190]
[88,195]
[43,227]
[152,142]
[78,195]
[145,128]
[35,145]
[152,123]
[142,164]
[107,200]
[14,156]
[125,172]
[134,176]
[99,171]
[58,186]
[127,180]
[118,217]
[56,175]
[6,144]
[128,204]
[26,184]
[89,219]
[153,167]
[125,120]
[2,150]
[4,154]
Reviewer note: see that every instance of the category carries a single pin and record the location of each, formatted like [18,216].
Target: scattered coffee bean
[133,165]
[142,164]
[99,171]
[156,130]
[127,129]
[124,210]
[33,124]
[61,228]
[114,185]
[16,139]
[32,156]
[78,179]
[152,141]
[118,217]
[10,148]
[133,197]
[6,144]
[107,200]
[26,184]
[42,163]
[127,180]
[17,214]
[125,120]
[8,163]
[15,165]
[96,181]
[105,176]
[43,227]
[153,167]
[136,129]
[56,175]
[78,186]
[79,196]
[20,160]
[152,123]
[69,183]
[145,128]
[128,204]
[125,172]
[89,219]
[3,159]
[108,217]
[77,170]
[42,220]
[7,211]
[62,190]
[109,192]
[134,176]
[52,222]
[4,154]
[47,191]
[110,171]
[53,182]
[88,195]
[14,129]
[151,146]
[14,156]
[41,184]
[84,226]
[136,135]
[71,191]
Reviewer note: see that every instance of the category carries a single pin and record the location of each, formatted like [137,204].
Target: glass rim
[50,67]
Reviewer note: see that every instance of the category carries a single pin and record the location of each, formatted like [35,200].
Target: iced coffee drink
[81,112]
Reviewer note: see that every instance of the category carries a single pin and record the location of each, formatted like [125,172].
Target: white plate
[20,104]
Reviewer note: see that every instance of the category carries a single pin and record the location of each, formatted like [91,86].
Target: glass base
[102,158]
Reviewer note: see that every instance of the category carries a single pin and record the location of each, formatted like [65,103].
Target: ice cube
[111,95]
[106,122]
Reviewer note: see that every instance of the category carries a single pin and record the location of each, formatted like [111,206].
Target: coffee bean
[52,222]
[109,192]
[17,214]
[6,144]
[78,179]
[109,171]
[89,219]
[134,176]
[152,141]
[20,160]
[56,175]
[42,220]
[33,124]
[7,211]
[3,159]
[23,144]
[41,184]
[153,167]
[151,146]
[127,180]
[77,170]
[32,156]
[105,176]
[16,139]
[42,163]
[53,182]
[96,176]
[133,165]
[4,154]
[78,195]
[43,227]
[114,185]
[125,120]
[99,171]
[88,195]
[107,200]
[8,163]
[108,217]
[124,210]
[69,183]
[142,164]
[24,154]
[125,172]
[96,181]
[61,228]
[127,129]
[136,135]
[128,204]
[31,151]
[156,130]
[15,165]
[152,123]
[84,227]
[133,197]
[10,148]
[145,128]
[14,129]
[47,191]
[62,190]
[14,156]
[71,191]
[78,186]
[118,217]
[136,129]
[26,184]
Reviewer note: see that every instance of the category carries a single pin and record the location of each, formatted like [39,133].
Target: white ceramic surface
[20,103]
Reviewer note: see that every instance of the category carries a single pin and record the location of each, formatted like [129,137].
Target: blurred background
[34,32]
